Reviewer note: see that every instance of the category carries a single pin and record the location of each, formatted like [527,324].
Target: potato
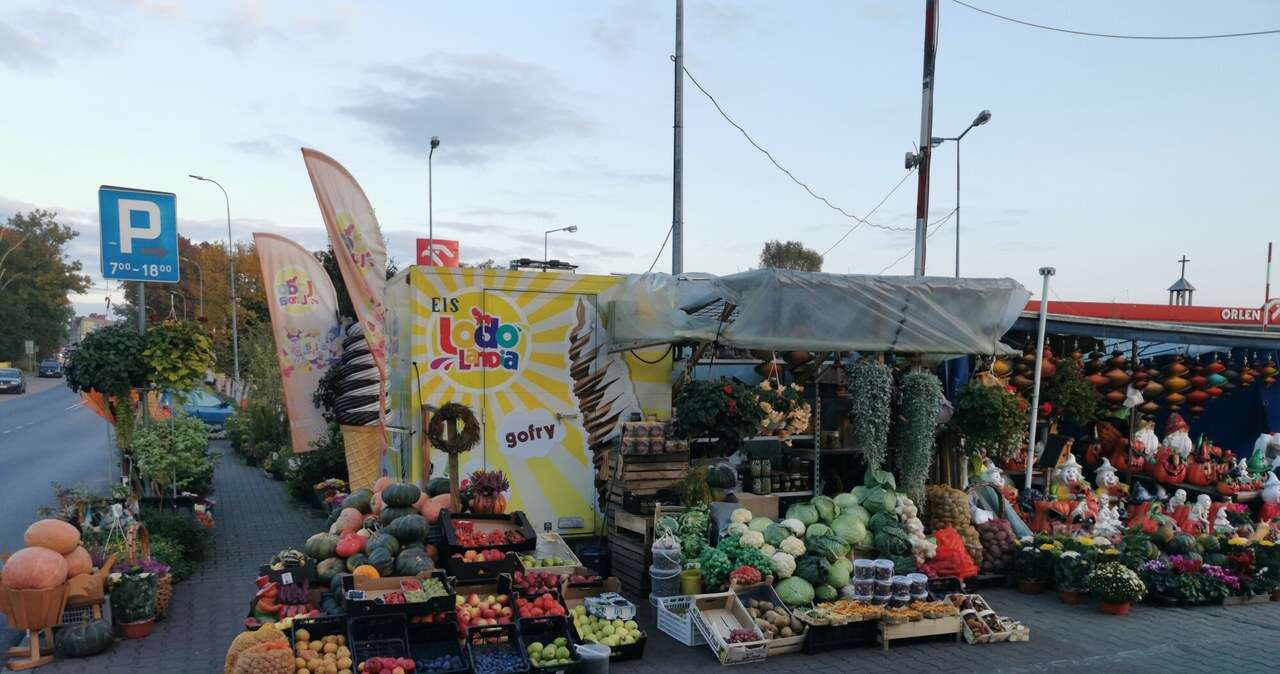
[788,632]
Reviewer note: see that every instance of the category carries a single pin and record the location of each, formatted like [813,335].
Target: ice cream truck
[527,352]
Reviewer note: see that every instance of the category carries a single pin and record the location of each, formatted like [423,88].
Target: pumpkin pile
[53,554]
[378,532]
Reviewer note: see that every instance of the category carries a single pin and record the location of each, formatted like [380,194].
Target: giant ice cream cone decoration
[357,410]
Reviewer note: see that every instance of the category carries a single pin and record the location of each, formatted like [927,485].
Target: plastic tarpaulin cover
[784,310]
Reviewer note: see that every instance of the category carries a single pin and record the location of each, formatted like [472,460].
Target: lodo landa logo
[295,291]
[484,342]
[353,241]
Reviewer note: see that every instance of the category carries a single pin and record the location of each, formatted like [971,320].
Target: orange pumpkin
[376,504]
[381,484]
[366,571]
[78,562]
[34,568]
[434,505]
[55,535]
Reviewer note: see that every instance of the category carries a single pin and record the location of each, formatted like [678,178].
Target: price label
[286,578]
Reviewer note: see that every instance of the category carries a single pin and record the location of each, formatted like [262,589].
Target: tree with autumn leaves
[36,277]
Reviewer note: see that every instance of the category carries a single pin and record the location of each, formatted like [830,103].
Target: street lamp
[570,229]
[231,264]
[982,118]
[201,276]
[431,229]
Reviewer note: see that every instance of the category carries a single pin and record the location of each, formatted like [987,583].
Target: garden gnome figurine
[1270,499]
[1108,523]
[1069,482]
[1222,525]
[1197,521]
[1108,482]
[1147,440]
[1177,435]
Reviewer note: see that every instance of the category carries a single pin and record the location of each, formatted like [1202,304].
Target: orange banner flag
[304,320]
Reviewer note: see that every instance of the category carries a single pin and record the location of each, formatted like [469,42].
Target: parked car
[205,406]
[50,368]
[12,381]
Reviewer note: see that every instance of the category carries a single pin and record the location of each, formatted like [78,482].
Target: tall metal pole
[142,330]
[200,272]
[958,201]
[926,131]
[231,271]
[1046,272]
[677,172]
[431,207]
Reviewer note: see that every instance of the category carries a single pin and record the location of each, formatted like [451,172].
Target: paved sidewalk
[255,519]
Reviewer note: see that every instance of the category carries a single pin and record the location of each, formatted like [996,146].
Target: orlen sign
[1165,313]
[1271,310]
[444,253]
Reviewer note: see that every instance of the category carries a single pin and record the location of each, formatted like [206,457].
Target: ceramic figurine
[1270,499]
[1222,525]
[1108,482]
[1178,509]
[1140,494]
[1069,482]
[1161,494]
[992,475]
[1146,439]
[1109,523]
[1179,499]
[1178,436]
[1197,521]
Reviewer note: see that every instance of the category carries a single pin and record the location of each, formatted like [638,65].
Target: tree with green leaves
[36,275]
[790,255]
[109,361]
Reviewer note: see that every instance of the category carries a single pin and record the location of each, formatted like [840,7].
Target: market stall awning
[783,310]
[1146,331]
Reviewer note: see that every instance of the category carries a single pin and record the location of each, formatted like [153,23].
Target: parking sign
[139,234]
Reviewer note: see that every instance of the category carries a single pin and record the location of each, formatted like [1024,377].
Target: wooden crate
[645,474]
[630,556]
[929,627]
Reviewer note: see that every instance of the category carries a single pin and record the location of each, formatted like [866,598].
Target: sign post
[438,253]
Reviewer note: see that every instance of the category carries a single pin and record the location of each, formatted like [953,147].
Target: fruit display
[543,605]
[433,618]
[384,665]
[475,611]
[468,537]
[476,556]
[531,562]
[742,636]
[596,630]
[444,663]
[553,654]
[276,603]
[325,655]
[580,579]
[500,658]
[535,582]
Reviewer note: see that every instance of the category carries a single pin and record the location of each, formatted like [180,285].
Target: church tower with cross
[1181,291]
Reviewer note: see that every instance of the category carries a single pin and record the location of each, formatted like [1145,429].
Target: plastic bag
[952,559]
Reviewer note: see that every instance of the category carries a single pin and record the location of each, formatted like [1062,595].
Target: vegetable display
[795,591]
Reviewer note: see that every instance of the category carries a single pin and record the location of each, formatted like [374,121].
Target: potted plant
[1116,587]
[1032,566]
[1071,575]
[725,410]
[133,602]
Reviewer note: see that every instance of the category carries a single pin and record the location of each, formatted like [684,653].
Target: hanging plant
[178,354]
[1071,396]
[724,409]
[990,417]
[871,392]
[913,437]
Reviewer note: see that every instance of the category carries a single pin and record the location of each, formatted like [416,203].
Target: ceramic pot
[1121,608]
[1030,586]
[1275,595]
[136,630]
[1073,597]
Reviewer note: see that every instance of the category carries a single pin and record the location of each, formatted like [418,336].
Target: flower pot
[136,630]
[1030,586]
[1121,608]
[1073,597]
[1275,595]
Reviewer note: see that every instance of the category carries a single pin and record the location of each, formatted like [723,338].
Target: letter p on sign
[131,212]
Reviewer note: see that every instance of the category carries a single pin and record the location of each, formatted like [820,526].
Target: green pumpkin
[722,477]
[437,486]
[1181,544]
[1208,543]
[330,568]
[391,514]
[1216,559]
[382,539]
[321,546]
[401,494]
[356,560]
[409,528]
[83,640]
[360,499]
[413,561]
[382,560]
[1193,556]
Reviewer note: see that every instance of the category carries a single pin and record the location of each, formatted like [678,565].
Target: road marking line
[79,404]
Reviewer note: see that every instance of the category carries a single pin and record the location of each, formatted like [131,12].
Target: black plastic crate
[620,653]
[510,563]
[481,638]
[545,631]
[317,628]
[516,520]
[431,641]
[377,636]
[823,638]
[359,607]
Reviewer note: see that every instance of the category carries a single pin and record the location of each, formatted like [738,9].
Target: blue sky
[1107,159]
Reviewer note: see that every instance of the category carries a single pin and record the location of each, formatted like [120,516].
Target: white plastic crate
[675,619]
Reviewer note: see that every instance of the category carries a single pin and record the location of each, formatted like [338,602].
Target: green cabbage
[805,512]
[857,512]
[878,499]
[829,547]
[813,568]
[817,531]
[775,533]
[844,501]
[827,509]
[882,520]
[838,576]
[825,592]
[668,525]
[880,478]
[893,542]
[850,529]
[759,524]
[794,591]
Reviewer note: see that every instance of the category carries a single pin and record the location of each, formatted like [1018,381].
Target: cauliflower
[792,546]
[736,529]
[768,550]
[740,515]
[752,539]
[783,564]
[795,525]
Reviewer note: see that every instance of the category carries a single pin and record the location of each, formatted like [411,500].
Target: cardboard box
[760,506]
[716,616]
[575,595]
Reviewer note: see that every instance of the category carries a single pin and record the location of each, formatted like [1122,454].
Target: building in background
[83,325]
